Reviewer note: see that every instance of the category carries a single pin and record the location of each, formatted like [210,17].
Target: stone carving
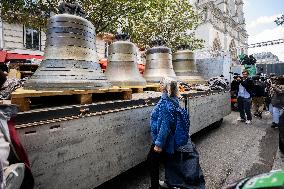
[216,47]
[233,51]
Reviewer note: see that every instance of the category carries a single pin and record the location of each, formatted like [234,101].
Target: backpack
[182,126]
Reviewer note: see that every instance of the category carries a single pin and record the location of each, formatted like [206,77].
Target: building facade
[266,58]
[19,40]
[222,26]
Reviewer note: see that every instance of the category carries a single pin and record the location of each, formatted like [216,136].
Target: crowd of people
[254,95]
[258,93]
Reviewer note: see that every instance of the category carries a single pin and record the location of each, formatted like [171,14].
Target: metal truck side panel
[207,110]
[84,153]
[87,151]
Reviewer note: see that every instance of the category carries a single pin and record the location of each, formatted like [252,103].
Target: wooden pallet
[152,87]
[136,89]
[27,98]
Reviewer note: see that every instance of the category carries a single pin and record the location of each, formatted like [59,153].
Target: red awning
[6,56]
[16,56]
[3,55]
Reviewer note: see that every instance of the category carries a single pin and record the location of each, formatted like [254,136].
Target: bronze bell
[122,67]
[158,62]
[185,66]
[70,57]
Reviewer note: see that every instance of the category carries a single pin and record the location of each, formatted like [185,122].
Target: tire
[281,144]
[218,123]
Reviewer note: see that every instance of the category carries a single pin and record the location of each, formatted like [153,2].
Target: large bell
[185,67]
[158,62]
[122,67]
[70,57]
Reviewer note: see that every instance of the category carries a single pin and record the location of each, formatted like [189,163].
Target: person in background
[267,94]
[3,79]
[245,91]
[277,98]
[235,83]
[4,68]
[258,101]
[13,158]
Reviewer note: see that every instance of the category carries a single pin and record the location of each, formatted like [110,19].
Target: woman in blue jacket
[182,169]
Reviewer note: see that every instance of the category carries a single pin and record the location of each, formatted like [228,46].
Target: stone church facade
[222,26]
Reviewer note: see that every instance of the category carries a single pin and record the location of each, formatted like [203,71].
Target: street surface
[227,153]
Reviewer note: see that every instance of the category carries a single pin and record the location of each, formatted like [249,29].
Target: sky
[260,16]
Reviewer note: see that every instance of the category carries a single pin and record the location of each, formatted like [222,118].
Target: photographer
[235,83]
[245,91]
[278,108]
[277,98]
[258,100]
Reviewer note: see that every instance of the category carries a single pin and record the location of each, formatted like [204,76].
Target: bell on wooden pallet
[70,56]
[158,62]
[122,67]
[185,66]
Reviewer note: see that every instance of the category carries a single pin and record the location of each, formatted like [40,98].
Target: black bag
[183,170]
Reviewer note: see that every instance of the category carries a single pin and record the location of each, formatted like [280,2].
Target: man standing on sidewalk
[277,100]
[245,90]
[258,100]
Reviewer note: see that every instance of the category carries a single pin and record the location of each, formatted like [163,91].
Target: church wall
[222,20]
[217,34]
[216,66]
[203,32]
[232,7]
[223,39]
[221,5]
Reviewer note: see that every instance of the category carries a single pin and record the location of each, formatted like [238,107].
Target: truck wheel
[281,144]
[218,123]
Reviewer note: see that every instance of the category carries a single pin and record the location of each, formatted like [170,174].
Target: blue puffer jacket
[163,119]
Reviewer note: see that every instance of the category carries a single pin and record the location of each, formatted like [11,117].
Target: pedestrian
[182,168]
[16,170]
[234,94]
[281,131]
[277,99]
[235,84]
[245,91]
[3,79]
[4,68]
[258,100]
[268,95]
